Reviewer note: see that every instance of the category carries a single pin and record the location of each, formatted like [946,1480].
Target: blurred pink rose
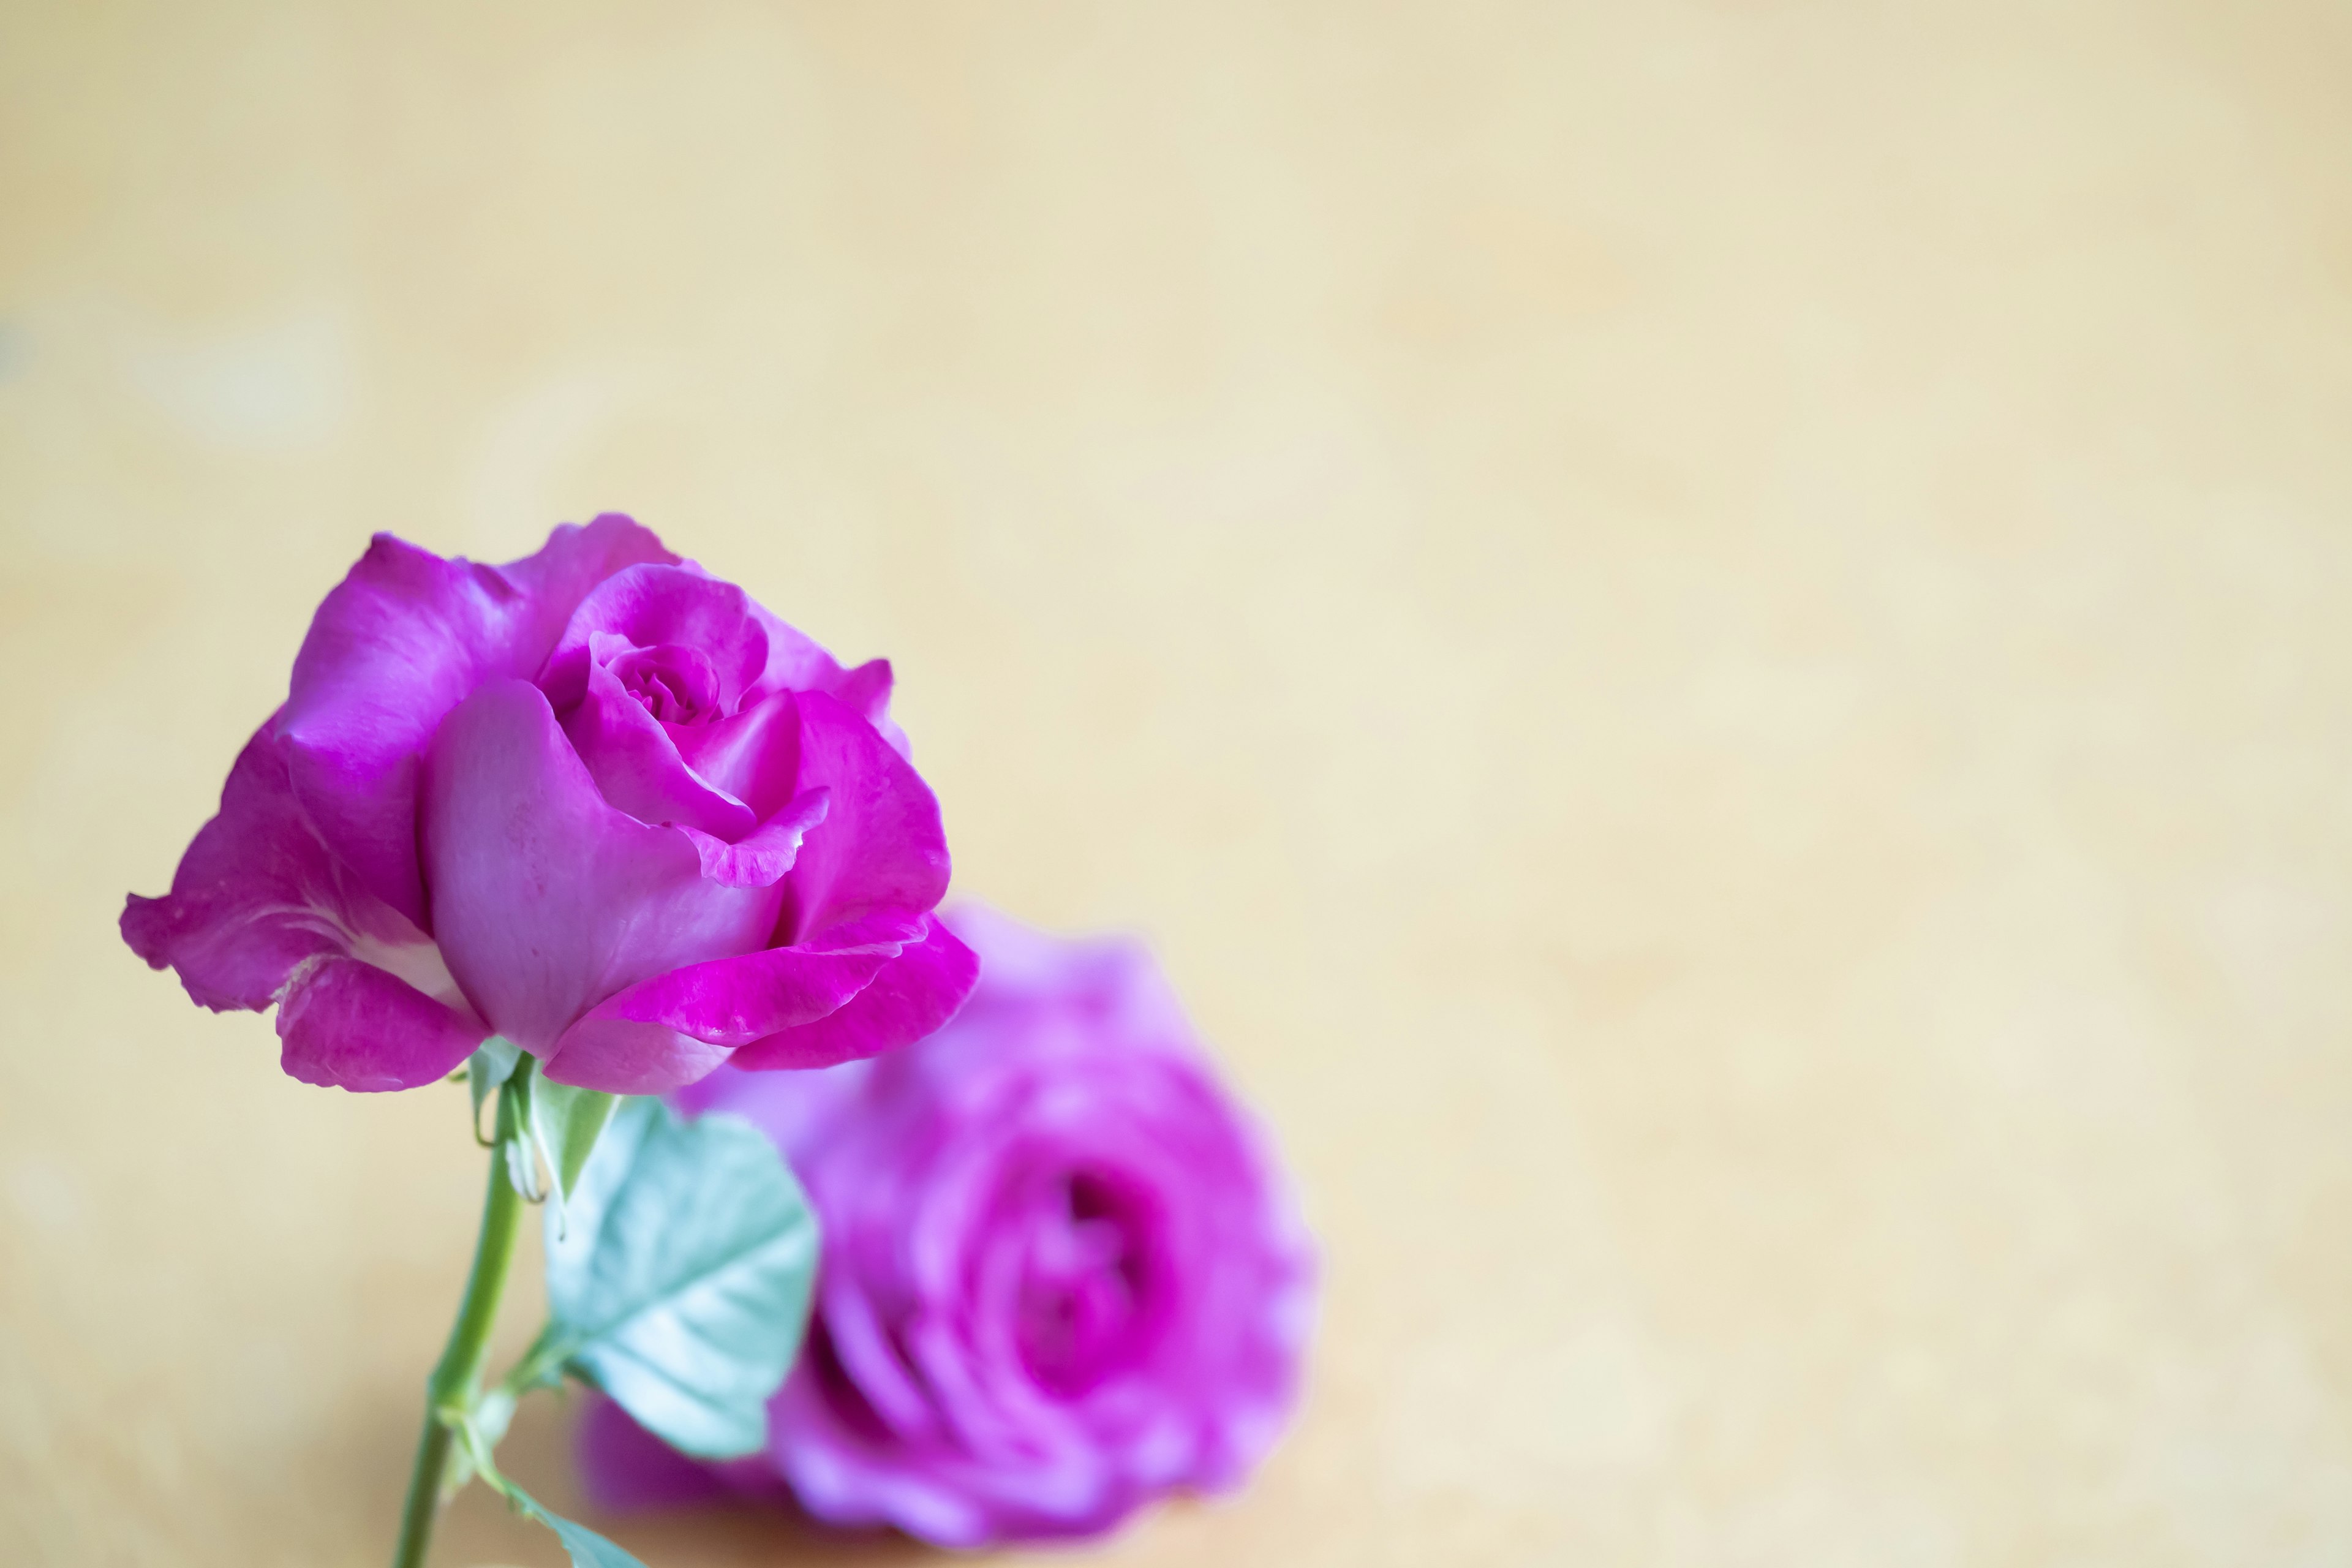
[596,801]
[1061,1274]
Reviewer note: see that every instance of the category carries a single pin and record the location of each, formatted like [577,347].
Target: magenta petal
[349,1025]
[865,691]
[626,1467]
[796,663]
[760,858]
[654,604]
[754,756]
[547,901]
[392,649]
[914,994]
[795,660]
[731,1001]
[575,559]
[881,845]
[620,1056]
[629,753]
[255,894]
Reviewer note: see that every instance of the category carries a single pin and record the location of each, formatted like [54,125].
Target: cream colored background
[1712,637]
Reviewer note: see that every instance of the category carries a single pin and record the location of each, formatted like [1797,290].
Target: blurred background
[1712,639]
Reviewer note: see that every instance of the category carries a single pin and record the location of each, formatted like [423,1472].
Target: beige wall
[1713,638]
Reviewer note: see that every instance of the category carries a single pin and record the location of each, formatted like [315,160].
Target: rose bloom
[596,801]
[1062,1272]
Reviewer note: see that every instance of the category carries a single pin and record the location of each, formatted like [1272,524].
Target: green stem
[454,1381]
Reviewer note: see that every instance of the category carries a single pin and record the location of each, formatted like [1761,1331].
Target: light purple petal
[394,648]
[349,1025]
[627,1468]
[621,1056]
[762,857]
[881,845]
[255,894]
[546,900]
[1062,1275]
[260,912]
[796,663]
[914,994]
[653,604]
[865,691]
[629,753]
[733,1001]
[754,756]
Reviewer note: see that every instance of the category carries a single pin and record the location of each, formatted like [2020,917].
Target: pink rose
[596,801]
[1062,1272]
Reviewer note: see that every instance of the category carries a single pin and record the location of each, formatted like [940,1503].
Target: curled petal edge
[925,984]
[345,1024]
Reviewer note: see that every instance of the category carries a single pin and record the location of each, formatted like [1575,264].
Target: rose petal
[254,895]
[349,1025]
[1062,1273]
[629,753]
[653,604]
[627,1468]
[754,756]
[258,894]
[762,857]
[392,649]
[547,901]
[731,1001]
[865,691]
[620,1056]
[796,663]
[913,995]
[881,845]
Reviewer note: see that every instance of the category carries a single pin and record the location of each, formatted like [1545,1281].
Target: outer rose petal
[254,895]
[546,900]
[881,845]
[671,1030]
[623,1057]
[795,663]
[915,994]
[866,692]
[629,1467]
[733,1001]
[394,648]
[259,913]
[349,1025]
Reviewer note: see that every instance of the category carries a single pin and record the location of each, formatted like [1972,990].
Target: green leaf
[566,1122]
[679,1281]
[492,1063]
[588,1549]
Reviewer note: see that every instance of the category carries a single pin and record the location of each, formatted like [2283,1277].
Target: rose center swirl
[1085,1281]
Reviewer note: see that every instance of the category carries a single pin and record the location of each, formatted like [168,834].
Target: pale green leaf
[567,1121]
[679,1280]
[588,1549]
